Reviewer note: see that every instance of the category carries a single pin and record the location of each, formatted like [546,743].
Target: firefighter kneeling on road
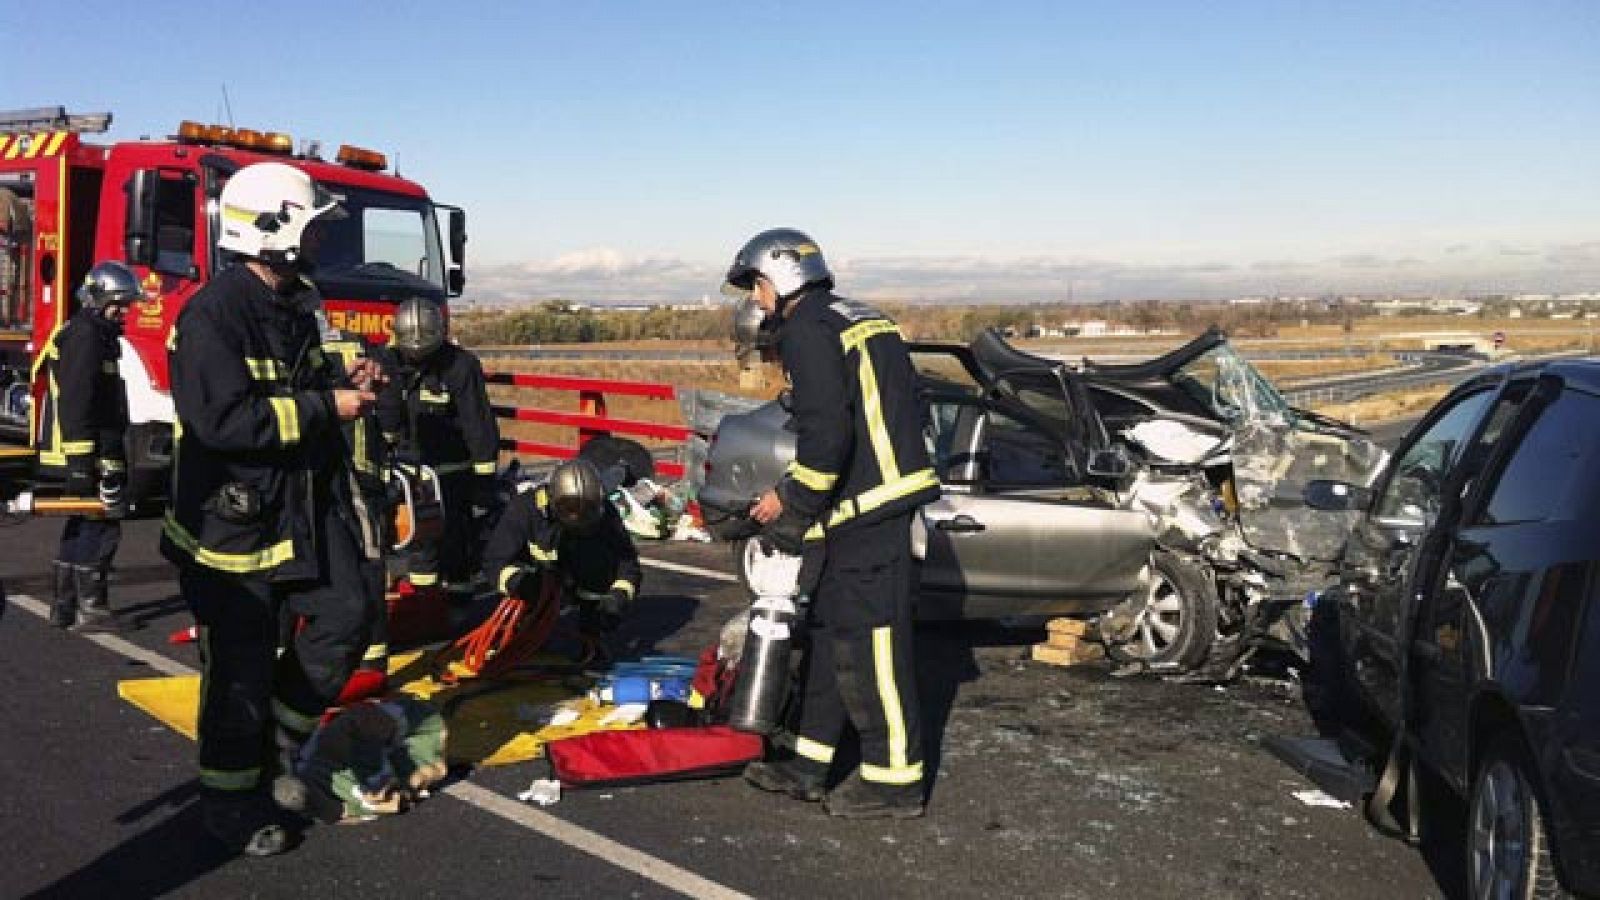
[569,527]
[436,412]
[265,524]
[860,471]
[81,432]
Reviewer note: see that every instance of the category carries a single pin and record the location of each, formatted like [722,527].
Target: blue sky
[616,151]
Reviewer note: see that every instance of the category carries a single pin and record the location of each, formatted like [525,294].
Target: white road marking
[597,845]
[110,641]
[682,569]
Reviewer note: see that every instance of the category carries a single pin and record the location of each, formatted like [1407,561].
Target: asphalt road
[1049,783]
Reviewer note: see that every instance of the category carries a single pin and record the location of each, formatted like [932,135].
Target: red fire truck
[66,204]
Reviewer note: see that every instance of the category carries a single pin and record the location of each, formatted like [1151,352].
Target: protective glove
[114,494]
[788,531]
[524,585]
[611,609]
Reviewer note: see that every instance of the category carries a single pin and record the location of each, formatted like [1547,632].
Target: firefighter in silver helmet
[436,412]
[860,471]
[568,527]
[81,429]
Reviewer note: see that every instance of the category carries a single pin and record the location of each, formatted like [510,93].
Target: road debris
[1320,798]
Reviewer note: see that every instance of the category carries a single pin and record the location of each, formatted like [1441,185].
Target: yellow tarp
[491,723]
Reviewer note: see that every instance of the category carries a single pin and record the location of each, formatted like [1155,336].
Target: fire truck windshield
[385,248]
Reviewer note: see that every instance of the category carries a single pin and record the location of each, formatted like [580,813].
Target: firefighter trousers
[454,558]
[860,667]
[249,692]
[90,542]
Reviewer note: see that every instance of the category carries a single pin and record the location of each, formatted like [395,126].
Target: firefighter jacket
[261,465]
[439,413]
[85,410]
[528,538]
[859,450]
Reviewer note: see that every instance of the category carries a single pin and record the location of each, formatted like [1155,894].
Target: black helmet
[418,328]
[108,284]
[790,259]
[577,497]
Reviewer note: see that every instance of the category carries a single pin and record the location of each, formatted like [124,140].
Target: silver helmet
[790,259]
[577,496]
[419,328]
[108,284]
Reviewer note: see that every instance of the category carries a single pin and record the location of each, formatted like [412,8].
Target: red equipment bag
[615,758]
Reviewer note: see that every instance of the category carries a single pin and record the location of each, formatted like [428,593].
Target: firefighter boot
[94,605]
[859,799]
[244,823]
[797,777]
[64,598]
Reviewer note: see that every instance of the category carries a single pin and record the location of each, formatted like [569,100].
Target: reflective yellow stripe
[427,396]
[892,774]
[239,215]
[109,367]
[869,500]
[113,465]
[623,586]
[697,700]
[362,462]
[859,334]
[811,478]
[877,429]
[77,448]
[172,339]
[276,555]
[230,780]
[542,555]
[288,419]
[264,369]
[452,468]
[424,579]
[812,750]
[291,718]
[506,574]
[889,695]
[375,651]
[484,468]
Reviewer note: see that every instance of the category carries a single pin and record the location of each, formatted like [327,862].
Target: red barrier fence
[590,419]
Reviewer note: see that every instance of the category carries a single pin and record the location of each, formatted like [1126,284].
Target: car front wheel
[1175,619]
[1508,848]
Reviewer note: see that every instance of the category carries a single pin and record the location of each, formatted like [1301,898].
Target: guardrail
[590,418]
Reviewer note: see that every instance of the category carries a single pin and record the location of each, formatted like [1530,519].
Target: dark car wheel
[1177,624]
[1508,845]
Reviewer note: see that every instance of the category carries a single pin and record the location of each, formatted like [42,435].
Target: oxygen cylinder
[762,681]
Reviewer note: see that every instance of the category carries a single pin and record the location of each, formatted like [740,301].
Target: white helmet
[266,208]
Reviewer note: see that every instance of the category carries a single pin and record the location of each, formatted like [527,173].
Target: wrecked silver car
[1160,499]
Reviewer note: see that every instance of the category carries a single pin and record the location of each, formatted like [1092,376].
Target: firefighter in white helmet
[266,522]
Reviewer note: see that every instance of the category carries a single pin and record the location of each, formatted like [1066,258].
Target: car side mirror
[1335,496]
[1111,464]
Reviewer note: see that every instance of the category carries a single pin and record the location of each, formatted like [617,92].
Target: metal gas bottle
[762,682]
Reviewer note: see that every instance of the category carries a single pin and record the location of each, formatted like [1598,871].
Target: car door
[1377,567]
[1016,530]
[1506,604]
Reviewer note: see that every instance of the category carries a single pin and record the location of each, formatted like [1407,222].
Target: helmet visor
[576,513]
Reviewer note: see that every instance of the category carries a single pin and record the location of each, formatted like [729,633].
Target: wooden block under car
[1058,656]
[1074,627]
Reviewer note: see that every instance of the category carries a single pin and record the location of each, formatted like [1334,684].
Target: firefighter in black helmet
[81,429]
[860,471]
[569,526]
[266,522]
[436,412]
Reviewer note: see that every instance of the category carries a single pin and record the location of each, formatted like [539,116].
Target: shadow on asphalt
[157,861]
[945,661]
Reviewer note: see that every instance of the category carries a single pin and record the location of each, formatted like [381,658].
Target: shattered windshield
[385,248]
[1229,386]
